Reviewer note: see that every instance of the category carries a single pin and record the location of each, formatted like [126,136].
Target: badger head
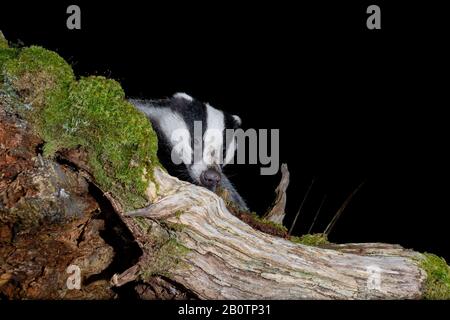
[198,137]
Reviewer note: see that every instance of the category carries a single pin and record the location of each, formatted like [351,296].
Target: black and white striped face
[196,135]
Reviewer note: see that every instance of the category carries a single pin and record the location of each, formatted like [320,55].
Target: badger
[192,140]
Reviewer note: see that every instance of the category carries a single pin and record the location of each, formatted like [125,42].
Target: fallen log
[217,256]
[192,244]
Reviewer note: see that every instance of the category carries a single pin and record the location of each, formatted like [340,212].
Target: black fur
[190,111]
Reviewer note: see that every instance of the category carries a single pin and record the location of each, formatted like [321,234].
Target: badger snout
[210,178]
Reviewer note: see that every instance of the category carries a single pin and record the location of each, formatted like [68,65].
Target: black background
[169,309]
[351,104]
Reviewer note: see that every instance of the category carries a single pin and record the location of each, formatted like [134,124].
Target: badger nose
[210,178]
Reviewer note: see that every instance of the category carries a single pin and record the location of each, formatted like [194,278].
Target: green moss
[39,77]
[166,258]
[178,214]
[272,225]
[143,223]
[5,55]
[3,41]
[167,251]
[316,239]
[176,227]
[118,138]
[91,114]
[437,284]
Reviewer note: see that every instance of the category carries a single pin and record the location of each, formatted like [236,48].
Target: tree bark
[224,258]
[192,245]
[48,221]
[278,211]
[186,244]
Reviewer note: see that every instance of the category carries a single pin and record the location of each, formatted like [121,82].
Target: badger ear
[184,96]
[237,120]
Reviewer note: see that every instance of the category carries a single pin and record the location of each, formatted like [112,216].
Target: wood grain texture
[278,210]
[227,259]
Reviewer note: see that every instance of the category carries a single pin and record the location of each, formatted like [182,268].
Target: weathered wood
[47,222]
[191,245]
[227,259]
[278,211]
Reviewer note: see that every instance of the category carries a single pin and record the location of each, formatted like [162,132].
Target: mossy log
[213,254]
[191,244]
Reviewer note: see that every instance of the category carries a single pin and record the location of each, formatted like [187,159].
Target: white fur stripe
[182,95]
